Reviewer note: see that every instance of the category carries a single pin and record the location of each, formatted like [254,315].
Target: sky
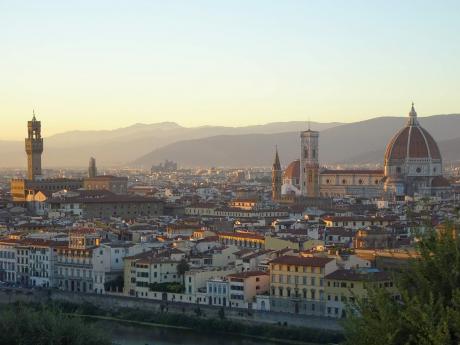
[100,64]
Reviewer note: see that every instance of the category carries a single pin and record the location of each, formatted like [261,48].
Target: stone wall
[115,302]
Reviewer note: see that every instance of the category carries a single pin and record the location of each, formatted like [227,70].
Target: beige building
[345,287]
[144,269]
[74,264]
[244,286]
[297,284]
[294,242]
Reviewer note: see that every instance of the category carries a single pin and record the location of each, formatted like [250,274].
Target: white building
[108,265]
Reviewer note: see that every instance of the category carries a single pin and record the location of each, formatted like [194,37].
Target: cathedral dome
[292,172]
[413,142]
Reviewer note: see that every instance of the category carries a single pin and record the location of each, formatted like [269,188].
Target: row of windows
[289,279]
[304,293]
[351,285]
[304,269]
[217,289]
[345,181]
[75,272]
[6,255]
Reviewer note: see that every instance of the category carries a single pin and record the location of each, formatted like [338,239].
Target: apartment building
[297,283]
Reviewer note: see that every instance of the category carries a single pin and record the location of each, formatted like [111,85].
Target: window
[418,170]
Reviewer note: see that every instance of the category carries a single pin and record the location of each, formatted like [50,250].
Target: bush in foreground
[25,325]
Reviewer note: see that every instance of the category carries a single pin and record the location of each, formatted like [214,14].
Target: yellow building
[344,287]
[297,284]
[295,243]
[242,239]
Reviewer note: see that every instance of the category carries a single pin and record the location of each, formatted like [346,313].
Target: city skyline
[104,66]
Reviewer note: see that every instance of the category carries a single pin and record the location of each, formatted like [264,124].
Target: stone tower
[309,163]
[34,149]
[276,178]
[92,169]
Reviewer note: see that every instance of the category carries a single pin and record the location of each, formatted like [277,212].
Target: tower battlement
[34,148]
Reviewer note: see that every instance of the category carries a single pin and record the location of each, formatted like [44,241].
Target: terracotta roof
[99,196]
[301,261]
[293,170]
[106,177]
[412,141]
[81,231]
[359,218]
[440,181]
[339,232]
[248,274]
[242,235]
[353,275]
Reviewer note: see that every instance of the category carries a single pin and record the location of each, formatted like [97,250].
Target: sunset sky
[107,64]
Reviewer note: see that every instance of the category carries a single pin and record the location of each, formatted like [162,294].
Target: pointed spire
[33,115]
[412,116]
[276,163]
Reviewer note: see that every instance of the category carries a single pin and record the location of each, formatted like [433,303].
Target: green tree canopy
[21,325]
[428,312]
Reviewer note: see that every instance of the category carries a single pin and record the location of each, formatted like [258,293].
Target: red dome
[412,141]
[292,172]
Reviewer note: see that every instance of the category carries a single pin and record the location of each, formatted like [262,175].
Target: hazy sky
[107,64]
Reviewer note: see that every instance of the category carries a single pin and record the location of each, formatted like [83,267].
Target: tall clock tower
[309,163]
[34,149]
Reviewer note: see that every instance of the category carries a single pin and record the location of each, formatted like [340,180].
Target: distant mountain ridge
[142,145]
[355,143]
[120,146]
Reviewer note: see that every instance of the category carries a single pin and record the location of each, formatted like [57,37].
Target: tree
[24,325]
[428,312]
[183,267]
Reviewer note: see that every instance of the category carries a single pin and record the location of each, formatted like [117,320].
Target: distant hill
[119,146]
[359,142]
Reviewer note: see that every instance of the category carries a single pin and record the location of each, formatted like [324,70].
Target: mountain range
[356,143]
[121,146]
[142,145]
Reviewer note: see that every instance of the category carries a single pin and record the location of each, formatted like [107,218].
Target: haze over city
[90,65]
[235,172]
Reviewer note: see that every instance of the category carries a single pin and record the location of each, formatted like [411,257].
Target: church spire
[276,163]
[277,179]
[412,116]
[33,115]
